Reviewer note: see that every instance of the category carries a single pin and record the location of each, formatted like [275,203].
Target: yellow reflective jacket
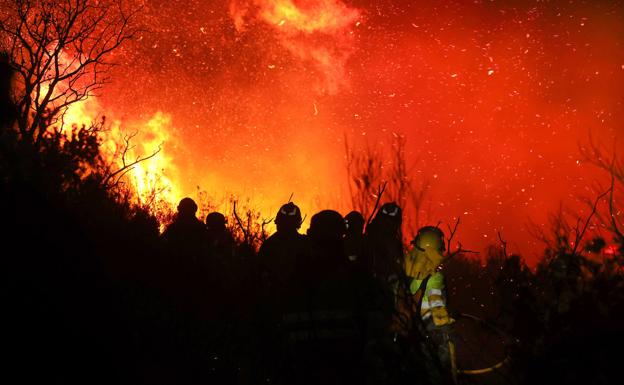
[419,265]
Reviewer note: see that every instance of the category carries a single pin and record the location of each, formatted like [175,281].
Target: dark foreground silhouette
[94,294]
[111,300]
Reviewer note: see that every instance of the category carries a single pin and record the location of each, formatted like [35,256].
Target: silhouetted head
[431,239]
[288,217]
[354,222]
[388,219]
[327,226]
[215,222]
[187,208]
[391,210]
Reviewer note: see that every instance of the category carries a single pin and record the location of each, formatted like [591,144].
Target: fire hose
[456,371]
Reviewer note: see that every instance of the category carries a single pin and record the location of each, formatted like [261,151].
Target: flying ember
[263,95]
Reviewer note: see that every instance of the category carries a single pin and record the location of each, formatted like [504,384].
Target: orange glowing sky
[493,98]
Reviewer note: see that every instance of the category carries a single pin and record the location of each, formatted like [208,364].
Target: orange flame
[315,31]
[144,145]
[325,16]
[319,33]
[152,180]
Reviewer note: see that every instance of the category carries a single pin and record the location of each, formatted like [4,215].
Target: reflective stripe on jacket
[433,296]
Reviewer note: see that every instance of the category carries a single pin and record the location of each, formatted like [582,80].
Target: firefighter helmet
[391,210]
[187,207]
[325,226]
[428,252]
[354,222]
[215,221]
[430,238]
[288,216]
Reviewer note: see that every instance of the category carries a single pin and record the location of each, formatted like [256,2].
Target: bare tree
[60,51]
[372,172]
[404,188]
[596,155]
[459,250]
[365,176]
[556,235]
[117,170]
[251,231]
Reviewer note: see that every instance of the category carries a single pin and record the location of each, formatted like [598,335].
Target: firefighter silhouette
[279,253]
[354,236]
[324,317]
[384,246]
[184,245]
[221,244]
[186,235]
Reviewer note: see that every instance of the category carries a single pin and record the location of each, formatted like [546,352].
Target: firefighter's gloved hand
[441,317]
[419,266]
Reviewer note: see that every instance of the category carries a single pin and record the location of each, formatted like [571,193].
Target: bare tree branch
[460,250]
[614,224]
[580,234]
[369,168]
[126,166]
[240,224]
[380,191]
[503,243]
[451,234]
[60,51]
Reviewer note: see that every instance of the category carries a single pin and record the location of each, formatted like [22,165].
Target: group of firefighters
[344,301]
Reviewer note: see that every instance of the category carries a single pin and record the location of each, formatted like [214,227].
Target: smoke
[319,32]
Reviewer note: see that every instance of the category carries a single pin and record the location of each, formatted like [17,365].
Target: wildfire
[315,31]
[319,33]
[263,91]
[154,178]
[326,16]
